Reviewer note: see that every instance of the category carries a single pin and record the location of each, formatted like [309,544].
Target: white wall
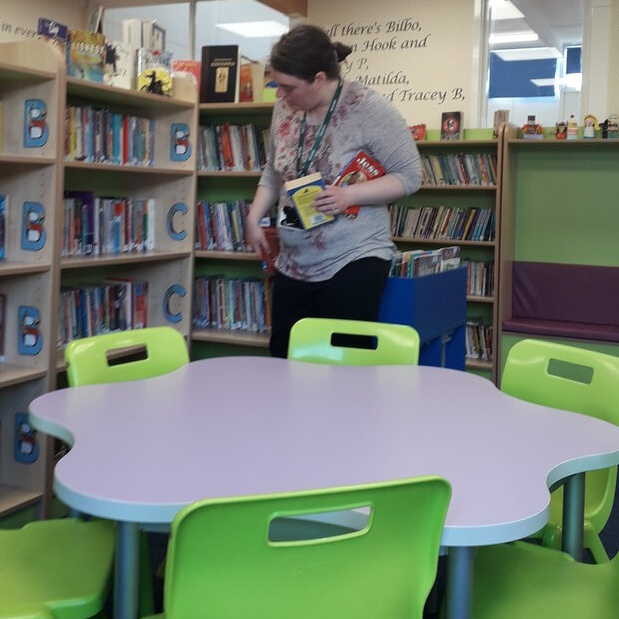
[18,18]
[417,54]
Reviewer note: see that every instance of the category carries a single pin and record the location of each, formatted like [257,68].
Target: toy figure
[591,126]
[561,130]
[610,127]
[572,128]
[531,130]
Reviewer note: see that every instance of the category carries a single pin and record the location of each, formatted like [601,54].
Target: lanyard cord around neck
[319,135]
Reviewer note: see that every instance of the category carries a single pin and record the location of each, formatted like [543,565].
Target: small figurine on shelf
[572,128]
[591,126]
[610,127]
[531,130]
[561,130]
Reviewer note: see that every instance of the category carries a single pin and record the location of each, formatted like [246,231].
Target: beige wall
[18,18]
[419,55]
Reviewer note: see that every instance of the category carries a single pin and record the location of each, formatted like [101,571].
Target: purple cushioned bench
[565,300]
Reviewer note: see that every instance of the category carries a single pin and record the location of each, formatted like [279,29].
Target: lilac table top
[251,425]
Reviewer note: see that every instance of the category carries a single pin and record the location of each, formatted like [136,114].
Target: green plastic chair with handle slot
[527,581]
[56,569]
[353,342]
[578,380]
[120,357]
[222,562]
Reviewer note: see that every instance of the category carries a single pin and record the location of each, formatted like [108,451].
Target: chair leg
[147,592]
[593,542]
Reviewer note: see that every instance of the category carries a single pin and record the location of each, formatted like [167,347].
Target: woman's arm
[264,199]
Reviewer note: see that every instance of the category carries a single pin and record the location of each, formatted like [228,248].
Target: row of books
[95,226]
[236,304]
[233,148]
[459,169]
[480,282]
[3,225]
[221,226]
[443,223]
[104,136]
[116,304]
[478,337]
[419,262]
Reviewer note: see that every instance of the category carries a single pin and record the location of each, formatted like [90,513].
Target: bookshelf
[219,186]
[455,189]
[31,102]
[150,178]
[559,209]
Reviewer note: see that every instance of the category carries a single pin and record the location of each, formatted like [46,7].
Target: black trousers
[353,293]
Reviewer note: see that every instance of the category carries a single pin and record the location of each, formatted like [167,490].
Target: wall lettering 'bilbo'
[405,47]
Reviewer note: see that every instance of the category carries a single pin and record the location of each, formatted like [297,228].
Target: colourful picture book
[246,88]
[419,132]
[451,126]
[302,191]
[119,65]
[154,72]
[52,31]
[85,55]
[188,69]
[359,169]
[219,82]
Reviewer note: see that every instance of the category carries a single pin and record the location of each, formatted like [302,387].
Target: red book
[361,168]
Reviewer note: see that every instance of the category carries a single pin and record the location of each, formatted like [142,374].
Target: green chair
[581,381]
[120,357]
[335,341]
[527,581]
[222,562]
[151,352]
[55,569]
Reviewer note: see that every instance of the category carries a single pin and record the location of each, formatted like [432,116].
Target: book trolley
[435,305]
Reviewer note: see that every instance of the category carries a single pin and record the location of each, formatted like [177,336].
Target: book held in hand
[360,168]
[219,82]
[302,191]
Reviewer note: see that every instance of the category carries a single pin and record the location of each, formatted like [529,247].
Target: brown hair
[307,50]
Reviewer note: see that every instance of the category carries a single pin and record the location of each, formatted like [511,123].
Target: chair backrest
[572,379]
[149,352]
[336,342]
[222,563]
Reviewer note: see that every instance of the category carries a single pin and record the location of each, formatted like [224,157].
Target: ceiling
[558,23]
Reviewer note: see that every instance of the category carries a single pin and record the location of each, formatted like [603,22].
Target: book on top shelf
[131,30]
[53,31]
[359,169]
[219,82]
[85,55]
[451,126]
[154,72]
[246,88]
[119,65]
[302,191]
[188,69]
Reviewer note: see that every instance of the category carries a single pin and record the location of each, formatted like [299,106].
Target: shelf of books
[458,206]
[30,181]
[231,307]
[126,229]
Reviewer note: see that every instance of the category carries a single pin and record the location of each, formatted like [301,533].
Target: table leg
[459,594]
[574,515]
[127,571]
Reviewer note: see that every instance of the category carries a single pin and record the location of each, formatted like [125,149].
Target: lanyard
[319,135]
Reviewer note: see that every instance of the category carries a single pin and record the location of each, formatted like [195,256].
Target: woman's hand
[332,200]
[256,237]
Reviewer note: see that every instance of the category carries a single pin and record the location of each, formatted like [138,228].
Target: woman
[320,122]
